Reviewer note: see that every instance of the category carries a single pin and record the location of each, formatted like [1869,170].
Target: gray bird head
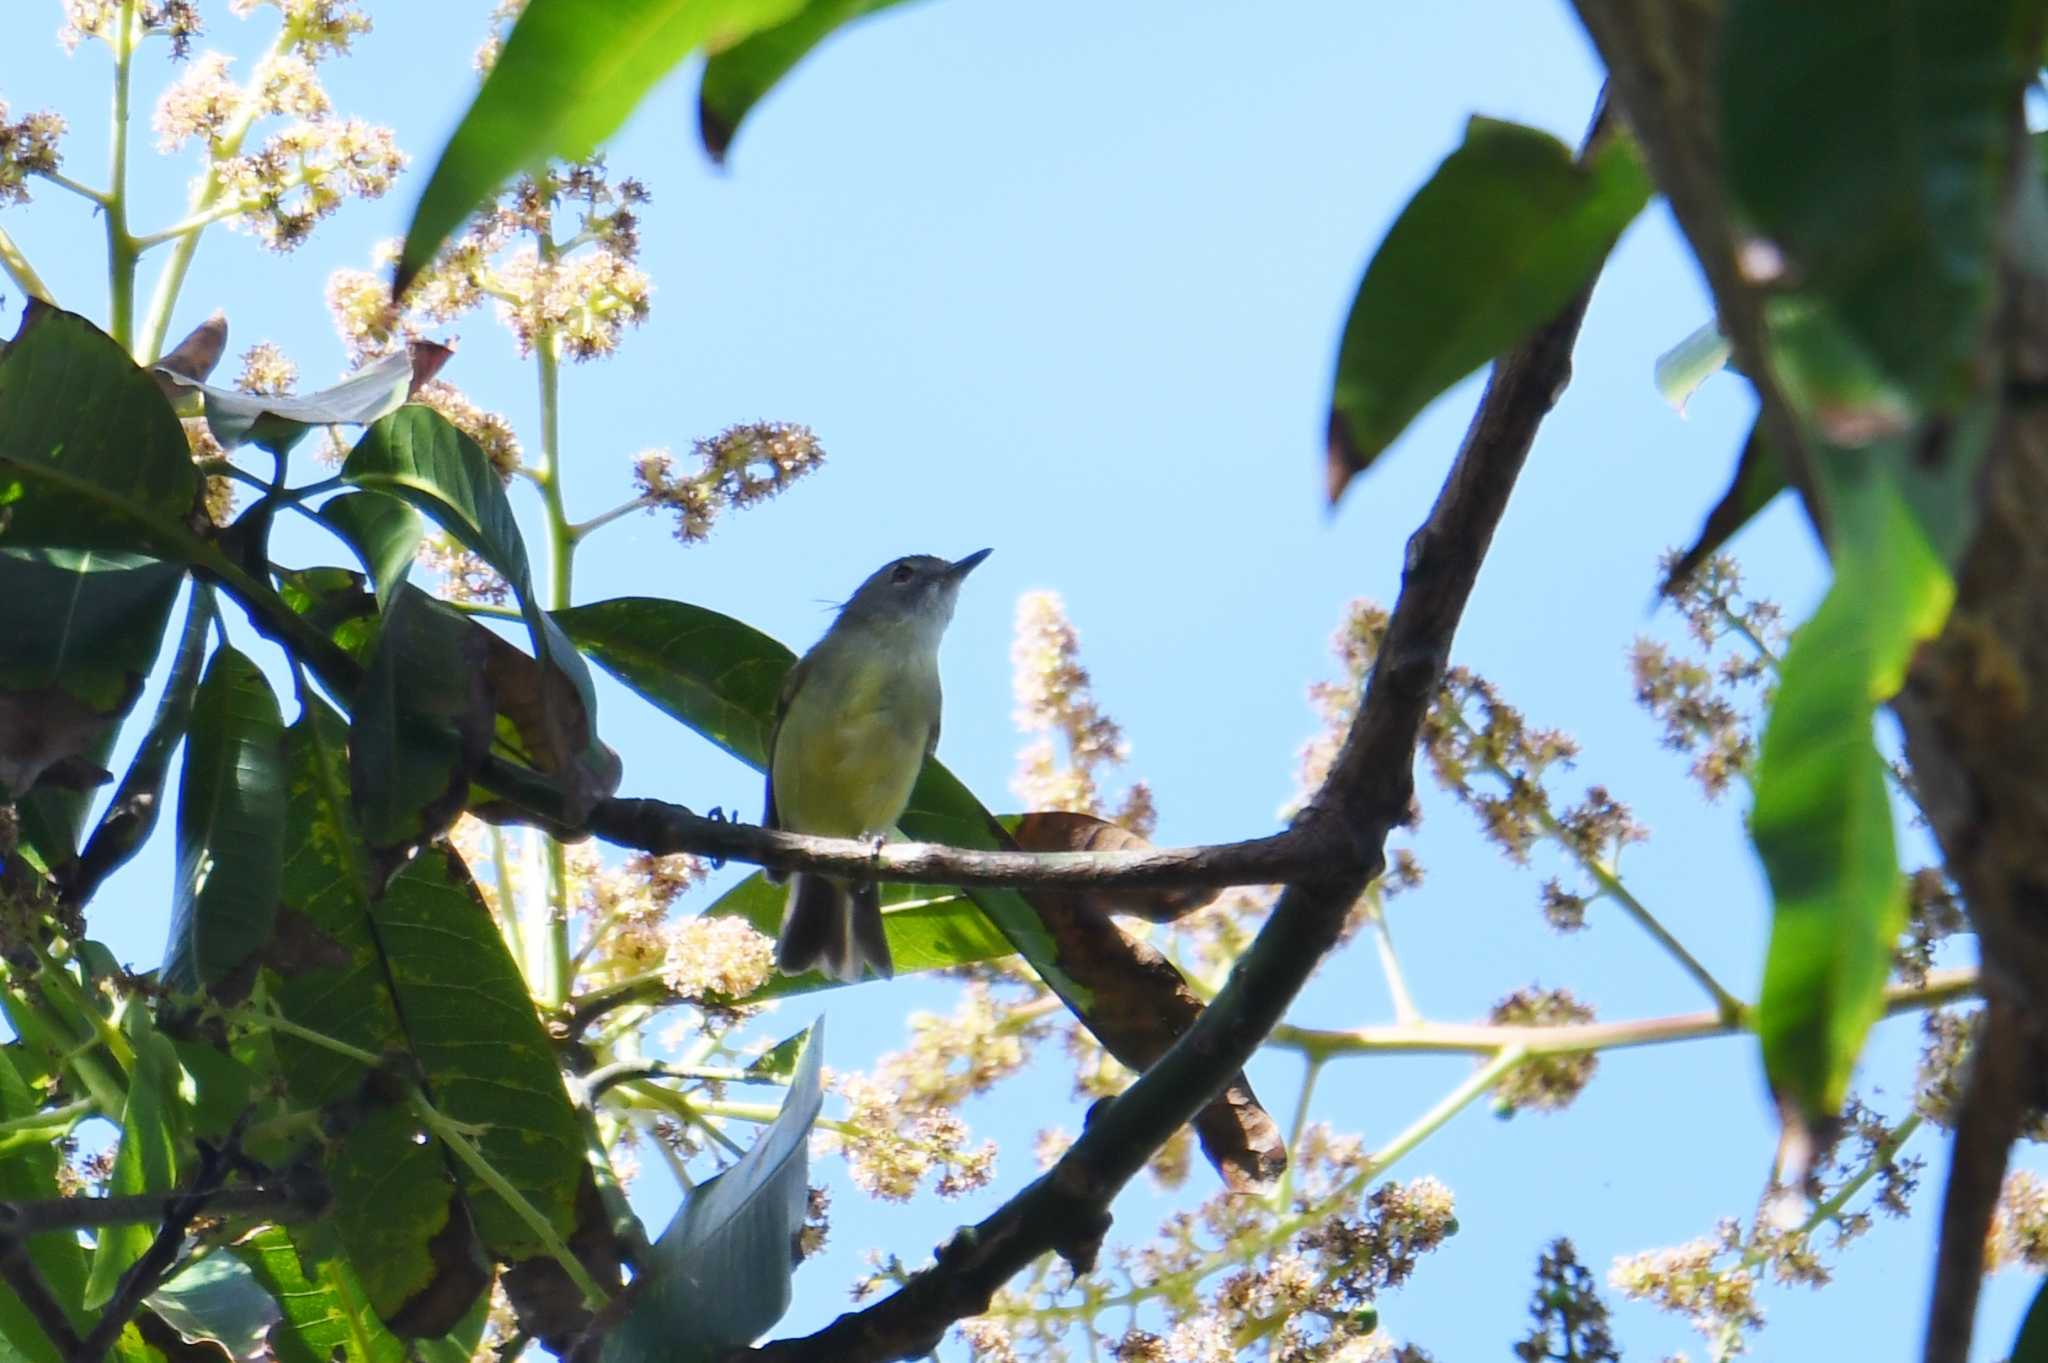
[917,591]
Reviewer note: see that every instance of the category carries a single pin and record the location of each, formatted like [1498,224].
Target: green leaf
[217,1300]
[416,455]
[1869,143]
[737,77]
[1502,236]
[719,1275]
[1822,822]
[231,826]
[325,1314]
[147,1160]
[570,73]
[721,677]
[1759,478]
[83,431]
[27,1172]
[2032,1344]
[929,927]
[383,532]
[276,422]
[1682,369]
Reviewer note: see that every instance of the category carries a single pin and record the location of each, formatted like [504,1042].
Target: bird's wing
[931,744]
[782,699]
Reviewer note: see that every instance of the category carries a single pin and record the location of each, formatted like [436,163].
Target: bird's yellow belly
[847,774]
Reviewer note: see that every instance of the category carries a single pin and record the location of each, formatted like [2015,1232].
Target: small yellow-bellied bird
[856,719]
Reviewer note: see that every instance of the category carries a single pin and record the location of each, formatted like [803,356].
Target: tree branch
[1368,792]
[18,1271]
[19,1220]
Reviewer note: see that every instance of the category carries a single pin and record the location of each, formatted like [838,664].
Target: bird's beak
[966,565]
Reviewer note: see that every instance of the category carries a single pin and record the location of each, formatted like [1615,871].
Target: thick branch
[1368,793]
[18,1271]
[22,1219]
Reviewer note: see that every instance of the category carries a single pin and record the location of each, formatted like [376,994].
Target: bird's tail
[833,926]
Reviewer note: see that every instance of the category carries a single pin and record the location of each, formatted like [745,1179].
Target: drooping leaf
[736,78]
[147,1159]
[1759,478]
[231,826]
[1881,190]
[569,74]
[383,532]
[416,455]
[929,927]
[90,452]
[1502,236]
[1682,369]
[278,421]
[217,1301]
[720,1274]
[30,1171]
[196,356]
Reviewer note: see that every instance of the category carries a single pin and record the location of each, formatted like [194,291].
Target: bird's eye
[902,573]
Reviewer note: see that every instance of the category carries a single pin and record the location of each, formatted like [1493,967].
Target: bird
[856,718]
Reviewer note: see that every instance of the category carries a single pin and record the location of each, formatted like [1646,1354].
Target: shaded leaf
[90,452]
[278,421]
[27,1172]
[719,1275]
[1682,369]
[147,1159]
[569,74]
[217,1300]
[415,454]
[1501,237]
[231,826]
[1882,193]
[2032,1344]
[1759,478]
[737,77]
[383,532]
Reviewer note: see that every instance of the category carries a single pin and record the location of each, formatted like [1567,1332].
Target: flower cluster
[1934,913]
[1709,705]
[2018,1237]
[304,173]
[1951,1035]
[319,28]
[739,467]
[28,146]
[265,370]
[1571,1320]
[1547,1082]
[177,20]
[1056,697]
[492,433]
[465,577]
[890,1149]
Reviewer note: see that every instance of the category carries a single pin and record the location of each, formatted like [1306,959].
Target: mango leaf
[719,1275]
[929,927]
[737,77]
[1883,194]
[231,826]
[1822,822]
[1681,370]
[147,1160]
[569,74]
[90,451]
[26,1172]
[1502,236]
[420,970]
[1759,478]
[720,677]
[278,421]
[415,454]
[383,532]
[217,1301]
[2032,1344]
[324,1313]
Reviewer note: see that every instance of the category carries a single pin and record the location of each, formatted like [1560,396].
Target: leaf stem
[580,529]
[120,246]
[82,190]
[1405,1011]
[21,272]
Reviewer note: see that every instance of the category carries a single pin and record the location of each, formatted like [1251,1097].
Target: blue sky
[1066,279]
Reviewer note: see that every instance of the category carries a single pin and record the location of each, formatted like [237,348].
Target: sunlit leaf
[147,1158]
[1682,369]
[278,421]
[217,1301]
[928,927]
[27,1172]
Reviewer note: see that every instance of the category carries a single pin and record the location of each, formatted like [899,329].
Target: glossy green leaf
[147,1158]
[719,1275]
[721,677]
[1681,370]
[383,532]
[218,1301]
[276,422]
[1881,190]
[90,451]
[422,722]
[30,1171]
[929,927]
[325,1314]
[737,77]
[416,455]
[1822,822]
[231,826]
[569,74]
[1501,237]
[1759,478]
